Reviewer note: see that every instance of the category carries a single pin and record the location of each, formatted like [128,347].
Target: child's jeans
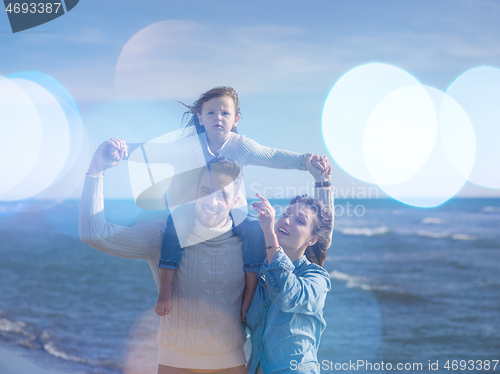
[253,243]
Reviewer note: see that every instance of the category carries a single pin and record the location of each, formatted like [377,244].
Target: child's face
[212,208]
[218,116]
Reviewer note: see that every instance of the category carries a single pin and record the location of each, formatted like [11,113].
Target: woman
[286,314]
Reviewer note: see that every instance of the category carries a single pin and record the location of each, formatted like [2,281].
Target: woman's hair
[194,109]
[322,227]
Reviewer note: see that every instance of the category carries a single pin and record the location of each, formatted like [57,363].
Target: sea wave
[355,282]
[463,237]
[445,234]
[351,280]
[383,291]
[360,231]
[28,336]
[52,349]
[399,297]
[491,209]
[434,235]
[432,220]
[15,327]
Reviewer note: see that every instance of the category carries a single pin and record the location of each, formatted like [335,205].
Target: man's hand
[107,155]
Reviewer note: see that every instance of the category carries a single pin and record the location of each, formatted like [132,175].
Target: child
[215,116]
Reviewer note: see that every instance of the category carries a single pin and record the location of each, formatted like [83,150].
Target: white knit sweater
[204,328]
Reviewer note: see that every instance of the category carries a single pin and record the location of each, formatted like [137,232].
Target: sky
[125,63]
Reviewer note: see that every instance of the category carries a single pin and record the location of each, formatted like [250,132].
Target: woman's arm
[324,192]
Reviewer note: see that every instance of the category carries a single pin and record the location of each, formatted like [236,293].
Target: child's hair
[198,104]
[322,228]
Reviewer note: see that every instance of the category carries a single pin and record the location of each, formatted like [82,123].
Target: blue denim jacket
[286,316]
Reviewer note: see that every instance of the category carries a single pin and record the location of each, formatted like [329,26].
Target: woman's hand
[107,155]
[266,216]
[318,174]
[266,220]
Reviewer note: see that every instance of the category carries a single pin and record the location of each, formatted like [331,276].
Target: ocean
[413,290]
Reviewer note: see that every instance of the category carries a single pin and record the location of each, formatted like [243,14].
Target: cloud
[179,59]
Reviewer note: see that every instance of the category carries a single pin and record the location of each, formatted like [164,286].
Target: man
[204,328]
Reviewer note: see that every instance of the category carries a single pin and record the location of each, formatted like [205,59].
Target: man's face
[212,208]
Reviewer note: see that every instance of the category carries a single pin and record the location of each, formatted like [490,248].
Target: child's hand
[321,162]
[266,214]
[316,172]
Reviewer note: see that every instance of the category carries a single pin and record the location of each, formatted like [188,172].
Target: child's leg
[253,243]
[250,286]
[164,303]
[171,254]
[254,253]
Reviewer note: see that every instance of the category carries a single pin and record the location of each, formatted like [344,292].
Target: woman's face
[295,227]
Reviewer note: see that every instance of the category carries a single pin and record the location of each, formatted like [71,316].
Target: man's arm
[141,241]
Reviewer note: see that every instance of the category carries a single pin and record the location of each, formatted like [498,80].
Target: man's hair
[223,166]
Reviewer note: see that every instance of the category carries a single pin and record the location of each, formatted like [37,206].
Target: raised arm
[303,291]
[141,241]
[323,190]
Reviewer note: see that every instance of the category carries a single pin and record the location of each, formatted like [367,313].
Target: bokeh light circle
[478,92]
[21,129]
[349,107]
[54,143]
[172,59]
[450,162]
[400,135]
[59,167]
[51,84]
